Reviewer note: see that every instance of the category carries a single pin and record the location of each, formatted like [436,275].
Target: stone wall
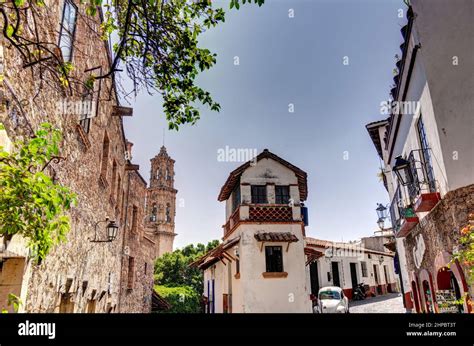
[78,275]
[440,230]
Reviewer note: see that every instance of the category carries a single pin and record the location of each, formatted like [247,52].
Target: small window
[68,27]
[134,218]
[259,194]
[236,197]
[131,273]
[168,213]
[274,259]
[105,156]
[86,112]
[282,194]
[363,267]
[153,213]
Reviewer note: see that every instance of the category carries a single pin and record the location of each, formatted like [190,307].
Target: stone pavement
[388,303]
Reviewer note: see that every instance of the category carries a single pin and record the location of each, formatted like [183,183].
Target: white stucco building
[260,266]
[346,265]
[428,151]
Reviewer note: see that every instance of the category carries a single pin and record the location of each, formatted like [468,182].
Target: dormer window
[259,194]
[282,194]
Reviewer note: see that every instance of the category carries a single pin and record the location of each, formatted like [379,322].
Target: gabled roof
[234,176]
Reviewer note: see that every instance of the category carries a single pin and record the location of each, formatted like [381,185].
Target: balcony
[262,213]
[422,189]
[402,215]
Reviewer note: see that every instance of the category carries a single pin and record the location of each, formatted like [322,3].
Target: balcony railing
[402,215]
[421,173]
[260,213]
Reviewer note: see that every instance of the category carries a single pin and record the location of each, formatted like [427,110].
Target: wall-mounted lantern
[111,231]
[381,259]
[402,170]
[382,214]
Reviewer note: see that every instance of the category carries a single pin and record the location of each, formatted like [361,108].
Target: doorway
[314,277]
[387,280]
[377,281]
[335,274]
[354,279]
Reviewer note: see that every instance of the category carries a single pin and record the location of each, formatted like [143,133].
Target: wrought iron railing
[396,209]
[421,173]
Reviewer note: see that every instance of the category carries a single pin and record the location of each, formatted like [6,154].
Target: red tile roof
[276,236]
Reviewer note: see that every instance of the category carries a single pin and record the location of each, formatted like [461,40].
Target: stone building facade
[79,275]
[161,202]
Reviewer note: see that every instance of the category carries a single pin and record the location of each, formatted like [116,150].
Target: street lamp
[402,170]
[381,223]
[381,211]
[382,214]
[111,229]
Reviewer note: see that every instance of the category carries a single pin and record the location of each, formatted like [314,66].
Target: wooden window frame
[282,198]
[272,265]
[257,196]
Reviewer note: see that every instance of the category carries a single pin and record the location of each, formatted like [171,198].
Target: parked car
[331,299]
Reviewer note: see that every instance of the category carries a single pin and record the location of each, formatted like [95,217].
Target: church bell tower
[161,202]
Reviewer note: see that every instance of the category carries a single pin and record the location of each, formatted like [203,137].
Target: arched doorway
[428,295]
[448,292]
[415,296]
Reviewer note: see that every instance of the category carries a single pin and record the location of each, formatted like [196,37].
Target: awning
[276,236]
[312,255]
[215,255]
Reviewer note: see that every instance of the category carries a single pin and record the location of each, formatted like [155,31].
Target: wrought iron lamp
[382,214]
[111,229]
[402,170]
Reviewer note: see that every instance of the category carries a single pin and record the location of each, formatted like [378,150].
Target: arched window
[153,213]
[168,213]
[158,174]
[167,174]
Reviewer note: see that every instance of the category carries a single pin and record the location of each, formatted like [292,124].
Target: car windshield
[329,295]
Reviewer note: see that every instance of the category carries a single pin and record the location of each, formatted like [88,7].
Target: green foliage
[158,42]
[183,299]
[13,300]
[465,255]
[31,203]
[173,270]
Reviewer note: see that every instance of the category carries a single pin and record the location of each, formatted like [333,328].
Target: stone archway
[414,290]
[448,290]
[427,292]
[444,260]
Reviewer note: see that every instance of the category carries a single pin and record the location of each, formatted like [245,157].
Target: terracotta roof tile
[276,236]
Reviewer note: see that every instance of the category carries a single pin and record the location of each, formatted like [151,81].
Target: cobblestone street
[389,303]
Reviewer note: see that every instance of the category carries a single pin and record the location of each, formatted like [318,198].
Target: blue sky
[285,60]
